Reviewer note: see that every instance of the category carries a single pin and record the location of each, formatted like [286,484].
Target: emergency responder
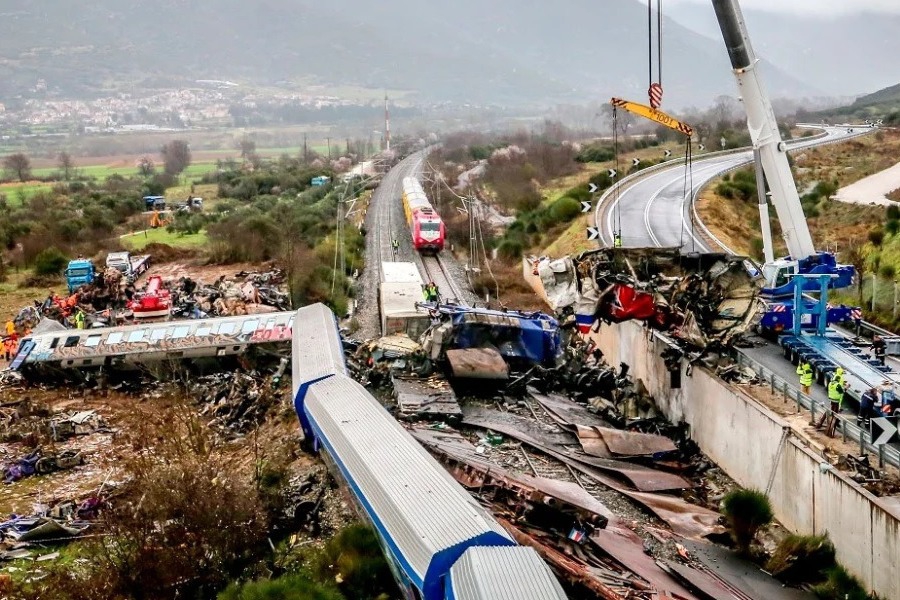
[805,371]
[431,292]
[9,347]
[395,245]
[10,327]
[878,348]
[617,239]
[835,398]
[79,319]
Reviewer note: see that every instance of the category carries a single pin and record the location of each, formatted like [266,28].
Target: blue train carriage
[424,519]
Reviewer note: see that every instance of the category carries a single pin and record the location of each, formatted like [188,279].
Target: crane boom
[764,130]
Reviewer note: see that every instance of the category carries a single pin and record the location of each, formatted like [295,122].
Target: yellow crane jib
[654,115]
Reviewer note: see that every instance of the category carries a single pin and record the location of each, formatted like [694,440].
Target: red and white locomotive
[425,225]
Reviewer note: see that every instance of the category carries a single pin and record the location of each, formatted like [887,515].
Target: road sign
[723,142]
[886,430]
[592,188]
[656,94]
[585,206]
[593,233]
[702,147]
[667,153]
[635,162]
[612,173]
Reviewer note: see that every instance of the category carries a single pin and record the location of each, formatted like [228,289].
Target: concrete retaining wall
[742,436]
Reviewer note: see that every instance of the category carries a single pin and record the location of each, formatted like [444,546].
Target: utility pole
[328,141]
[305,151]
[387,124]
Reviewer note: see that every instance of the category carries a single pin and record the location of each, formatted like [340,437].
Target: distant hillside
[505,51]
[883,104]
[843,56]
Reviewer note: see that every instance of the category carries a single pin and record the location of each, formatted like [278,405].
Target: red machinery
[154,301]
[425,225]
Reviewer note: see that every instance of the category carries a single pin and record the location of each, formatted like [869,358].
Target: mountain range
[522,52]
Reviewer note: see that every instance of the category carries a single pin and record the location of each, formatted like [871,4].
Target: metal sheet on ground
[705,583]
[565,412]
[684,518]
[630,443]
[628,549]
[592,442]
[744,576]
[460,449]
[477,363]
[425,398]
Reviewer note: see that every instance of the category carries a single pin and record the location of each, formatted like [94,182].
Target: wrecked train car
[700,299]
[479,340]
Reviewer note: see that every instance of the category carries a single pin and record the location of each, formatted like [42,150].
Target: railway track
[435,269]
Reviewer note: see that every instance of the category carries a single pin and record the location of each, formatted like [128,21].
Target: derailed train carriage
[440,543]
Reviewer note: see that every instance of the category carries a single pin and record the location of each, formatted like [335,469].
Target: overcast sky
[812,7]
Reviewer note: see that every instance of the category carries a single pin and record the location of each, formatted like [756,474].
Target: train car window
[115,337]
[249,326]
[226,328]
[158,334]
[180,332]
[136,336]
[71,341]
[92,341]
[203,331]
[54,343]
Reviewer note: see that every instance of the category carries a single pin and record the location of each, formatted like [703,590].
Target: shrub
[893,212]
[802,559]
[747,511]
[287,587]
[892,226]
[841,585]
[876,236]
[50,262]
[510,249]
[565,209]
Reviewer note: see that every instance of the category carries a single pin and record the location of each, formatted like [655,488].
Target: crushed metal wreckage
[399,363]
[62,522]
[701,300]
[587,543]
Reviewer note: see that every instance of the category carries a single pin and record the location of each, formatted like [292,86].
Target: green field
[141,239]
[16,192]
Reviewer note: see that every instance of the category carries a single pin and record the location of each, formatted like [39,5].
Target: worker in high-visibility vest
[805,371]
[617,239]
[836,388]
[79,319]
[10,327]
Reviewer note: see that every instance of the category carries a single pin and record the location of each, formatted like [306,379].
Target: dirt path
[873,189]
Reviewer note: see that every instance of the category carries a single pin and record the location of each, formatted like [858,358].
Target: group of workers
[874,402]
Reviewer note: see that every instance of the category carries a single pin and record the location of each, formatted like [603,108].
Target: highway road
[653,210]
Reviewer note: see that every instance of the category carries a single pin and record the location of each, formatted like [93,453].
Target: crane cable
[617,215]
[654,94]
[687,192]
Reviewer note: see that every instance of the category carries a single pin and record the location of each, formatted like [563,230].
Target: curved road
[652,209]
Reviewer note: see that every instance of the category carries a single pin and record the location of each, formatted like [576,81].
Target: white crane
[772,154]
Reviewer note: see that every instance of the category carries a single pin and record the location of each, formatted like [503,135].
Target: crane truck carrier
[132,267]
[806,270]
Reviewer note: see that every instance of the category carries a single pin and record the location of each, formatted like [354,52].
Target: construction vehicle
[160,219]
[154,301]
[79,272]
[771,150]
[130,266]
[191,205]
[154,203]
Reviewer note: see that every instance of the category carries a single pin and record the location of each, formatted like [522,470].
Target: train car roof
[426,518]
[501,573]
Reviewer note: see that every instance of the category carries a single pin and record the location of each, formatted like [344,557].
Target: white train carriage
[424,519]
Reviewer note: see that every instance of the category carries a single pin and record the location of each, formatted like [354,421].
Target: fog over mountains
[515,52]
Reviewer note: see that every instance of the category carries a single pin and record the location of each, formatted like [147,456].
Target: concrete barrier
[759,449]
